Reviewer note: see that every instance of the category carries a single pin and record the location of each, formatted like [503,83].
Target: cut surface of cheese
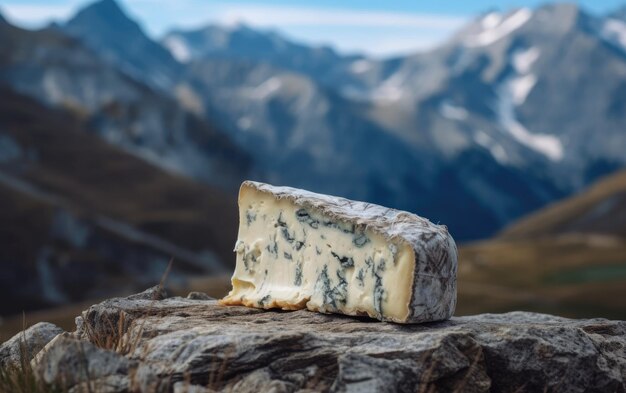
[298,249]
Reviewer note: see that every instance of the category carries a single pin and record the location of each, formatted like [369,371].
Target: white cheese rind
[297,249]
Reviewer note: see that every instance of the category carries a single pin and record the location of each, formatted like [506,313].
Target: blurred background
[126,127]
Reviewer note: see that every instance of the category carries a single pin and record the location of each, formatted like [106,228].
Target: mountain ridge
[567,257]
[106,28]
[475,105]
[483,82]
[599,210]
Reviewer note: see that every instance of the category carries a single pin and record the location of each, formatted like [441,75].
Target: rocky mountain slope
[192,345]
[106,29]
[90,160]
[59,70]
[498,106]
[459,134]
[498,73]
[241,42]
[83,219]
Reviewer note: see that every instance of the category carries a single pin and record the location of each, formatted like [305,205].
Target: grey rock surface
[69,362]
[24,346]
[199,296]
[187,345]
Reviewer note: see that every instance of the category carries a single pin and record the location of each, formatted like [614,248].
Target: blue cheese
[297,249]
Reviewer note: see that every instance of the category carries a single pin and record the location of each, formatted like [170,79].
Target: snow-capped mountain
[507,88]
[516,110]
[309,136]
[530,86]
[490,86]
[555,81]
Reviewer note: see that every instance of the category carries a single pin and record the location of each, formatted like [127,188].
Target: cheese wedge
[297,249]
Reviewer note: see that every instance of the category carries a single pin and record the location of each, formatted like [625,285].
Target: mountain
[60,71]
[84,219]
[613,28]
[305,135]
[569,257]
[301,133]
[350,75]
[495,78]
[459,134]
[105,28]
[472,110]
[90,164]
[241,42]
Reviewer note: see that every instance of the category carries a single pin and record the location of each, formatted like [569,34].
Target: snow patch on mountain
[523,82]
[513,92]
[523,60]
[496,150]
[495,29]
[244,123]
[391,89]
[614,31]
[360,66]
[178,48]
[491,20]
[453,112]
[520,87]
[548,145]
[267,88]
[189,99]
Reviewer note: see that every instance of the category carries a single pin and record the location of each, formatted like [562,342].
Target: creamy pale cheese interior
[294,257]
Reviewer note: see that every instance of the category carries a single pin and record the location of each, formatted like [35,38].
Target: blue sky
[379,28]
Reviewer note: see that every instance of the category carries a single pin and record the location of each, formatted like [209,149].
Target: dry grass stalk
[22,378]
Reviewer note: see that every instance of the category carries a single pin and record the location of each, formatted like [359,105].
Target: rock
[199,296]
[108,384]
[25,345]
[189,345]
[67,362]
[186,387]
[156,292]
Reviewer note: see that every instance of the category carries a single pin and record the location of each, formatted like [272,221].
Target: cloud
[33,15]
[376,32]
[386,46]
[270,15]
